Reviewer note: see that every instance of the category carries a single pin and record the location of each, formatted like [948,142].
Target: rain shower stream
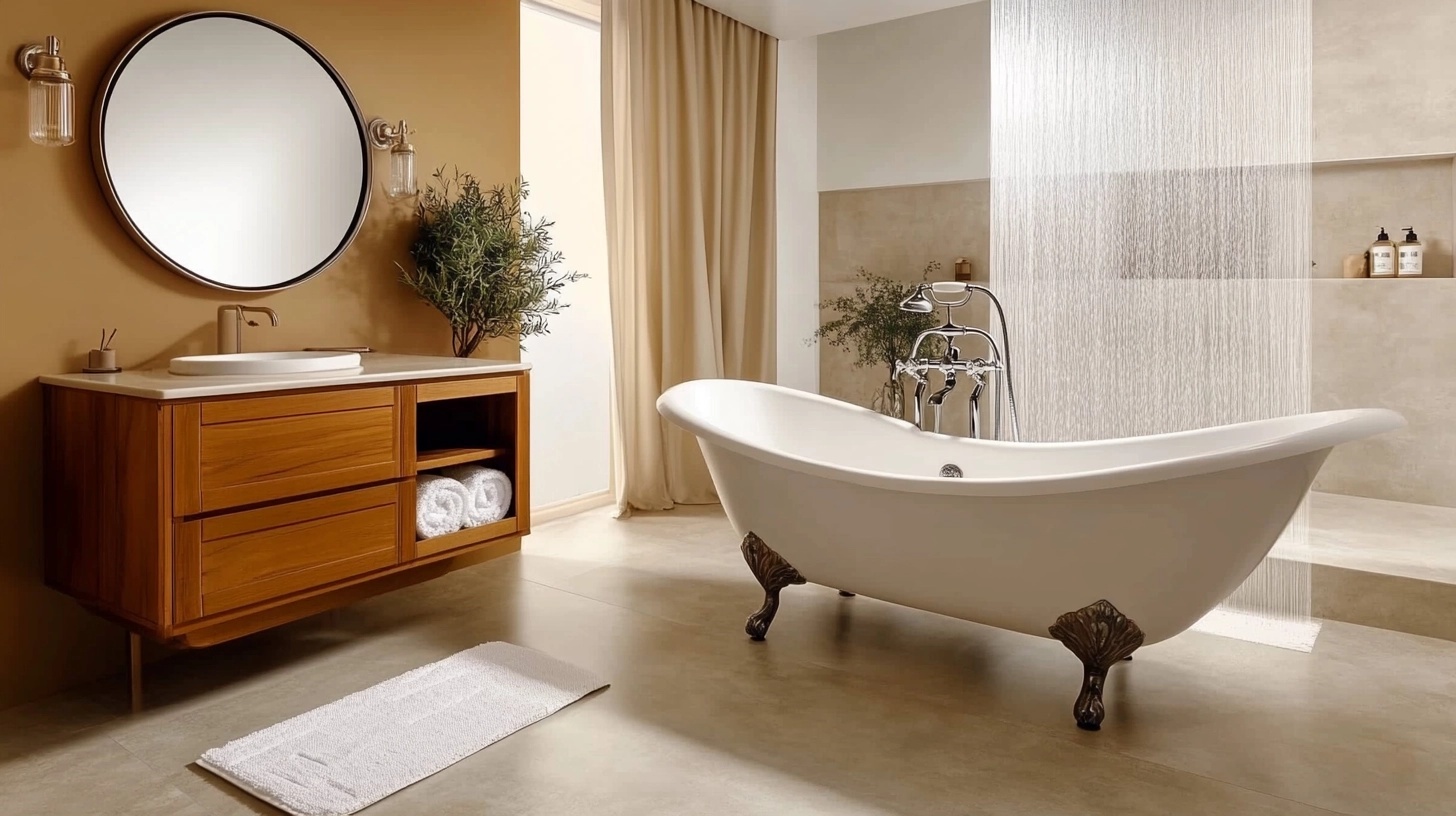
[1150,232]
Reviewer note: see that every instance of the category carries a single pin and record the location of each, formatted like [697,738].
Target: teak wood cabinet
[196,521]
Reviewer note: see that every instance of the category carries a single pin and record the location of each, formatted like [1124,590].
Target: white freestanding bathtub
[1105,546]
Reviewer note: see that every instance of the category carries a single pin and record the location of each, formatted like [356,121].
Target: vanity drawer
[248,451]
[239,559]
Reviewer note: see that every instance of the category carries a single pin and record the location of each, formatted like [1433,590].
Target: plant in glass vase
[871,325]
[484,262]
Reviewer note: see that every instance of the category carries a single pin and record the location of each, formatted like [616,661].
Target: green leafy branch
[484,262]
[870,323]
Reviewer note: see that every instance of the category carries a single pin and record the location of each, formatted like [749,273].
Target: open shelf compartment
[466,429]
[474,422]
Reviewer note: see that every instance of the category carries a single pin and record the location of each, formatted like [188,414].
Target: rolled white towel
[488,493]
[440,505]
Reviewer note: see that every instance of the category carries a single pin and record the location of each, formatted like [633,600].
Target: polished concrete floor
[852,706]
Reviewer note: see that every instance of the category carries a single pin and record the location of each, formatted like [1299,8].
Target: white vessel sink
[265,362]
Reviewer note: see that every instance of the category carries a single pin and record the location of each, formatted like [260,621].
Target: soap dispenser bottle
[1382,256]
[1411,255]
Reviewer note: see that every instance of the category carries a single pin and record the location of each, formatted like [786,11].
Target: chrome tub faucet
[980,371]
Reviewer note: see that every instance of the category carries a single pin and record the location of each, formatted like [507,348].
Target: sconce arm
[383,135]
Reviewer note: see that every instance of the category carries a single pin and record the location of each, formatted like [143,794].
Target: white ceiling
[792,19]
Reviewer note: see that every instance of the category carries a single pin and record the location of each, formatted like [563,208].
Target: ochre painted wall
[67,269]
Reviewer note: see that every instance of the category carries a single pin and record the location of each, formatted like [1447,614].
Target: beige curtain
[688,104]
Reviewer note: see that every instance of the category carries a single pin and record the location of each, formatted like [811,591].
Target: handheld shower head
[918,302]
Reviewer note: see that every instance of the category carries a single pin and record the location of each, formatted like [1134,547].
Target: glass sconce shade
[52,96]
[395,139]
[401,172]
[52,113]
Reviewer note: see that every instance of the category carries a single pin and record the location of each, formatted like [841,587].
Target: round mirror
[232,151]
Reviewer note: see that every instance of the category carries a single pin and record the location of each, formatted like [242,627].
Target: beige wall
[451,68]
[1383,79]
[1389,344]
[895,232]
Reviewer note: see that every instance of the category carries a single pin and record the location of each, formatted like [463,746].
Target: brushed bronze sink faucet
[230,320]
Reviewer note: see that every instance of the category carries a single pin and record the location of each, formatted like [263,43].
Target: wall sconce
[383,135]
[52,96]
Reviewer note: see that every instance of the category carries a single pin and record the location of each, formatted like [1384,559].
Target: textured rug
[342,757]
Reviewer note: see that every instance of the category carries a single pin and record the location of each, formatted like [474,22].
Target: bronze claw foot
[1099,636]
[773,573]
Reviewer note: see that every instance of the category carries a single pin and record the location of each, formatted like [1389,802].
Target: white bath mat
[347,755]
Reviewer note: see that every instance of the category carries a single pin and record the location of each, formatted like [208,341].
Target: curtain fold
[688,111]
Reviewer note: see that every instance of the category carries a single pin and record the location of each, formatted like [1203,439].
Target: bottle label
[1382,262]
[1411,260]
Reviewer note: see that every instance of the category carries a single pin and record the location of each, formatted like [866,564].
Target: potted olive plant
[484,262]
[871,325]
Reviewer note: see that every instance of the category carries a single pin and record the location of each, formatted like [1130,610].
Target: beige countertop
[160,384]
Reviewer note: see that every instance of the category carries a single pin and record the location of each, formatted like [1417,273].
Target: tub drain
[951,472]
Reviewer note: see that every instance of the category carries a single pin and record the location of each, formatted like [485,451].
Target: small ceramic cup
[101,359]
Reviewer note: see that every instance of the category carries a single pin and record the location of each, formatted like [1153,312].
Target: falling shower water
[1150,232]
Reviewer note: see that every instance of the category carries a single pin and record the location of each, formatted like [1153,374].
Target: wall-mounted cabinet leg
[134,666]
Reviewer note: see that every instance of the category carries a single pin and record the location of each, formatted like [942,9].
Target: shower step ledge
[1398,603]
[1417,606]
[1384,564]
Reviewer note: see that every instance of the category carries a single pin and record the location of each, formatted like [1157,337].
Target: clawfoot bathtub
[1104,546]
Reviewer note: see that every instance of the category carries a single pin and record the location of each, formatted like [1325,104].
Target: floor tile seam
[163,776]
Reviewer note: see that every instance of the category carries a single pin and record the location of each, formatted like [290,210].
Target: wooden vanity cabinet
[197,521]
